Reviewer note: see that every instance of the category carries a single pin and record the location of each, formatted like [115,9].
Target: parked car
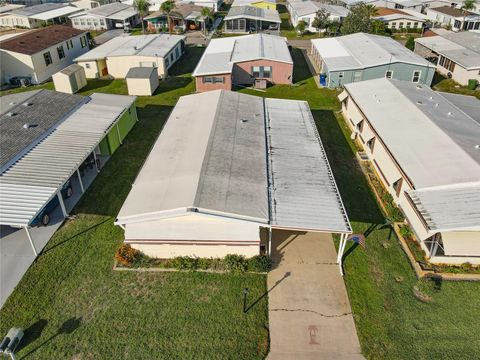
[273,27]
[43,217]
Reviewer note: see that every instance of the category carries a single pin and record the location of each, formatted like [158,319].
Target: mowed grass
[391,322]
[74,306]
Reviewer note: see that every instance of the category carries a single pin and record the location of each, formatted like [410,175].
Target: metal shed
[142,81]
[70,80]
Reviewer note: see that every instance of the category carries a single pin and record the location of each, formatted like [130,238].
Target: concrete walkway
[309,311]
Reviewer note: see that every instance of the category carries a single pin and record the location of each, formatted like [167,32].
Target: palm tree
[142,7]
[466,7]
[371,10]
[207,14]
[167,8]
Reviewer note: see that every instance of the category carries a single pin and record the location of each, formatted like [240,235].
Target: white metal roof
[53,14]
[360,50]
[432,140]
[449,208]
[308,7]
[253,13]
[124,14]
[212,158]
[463,48]
[29,184]
[141,45]
[221,54]
[394,17]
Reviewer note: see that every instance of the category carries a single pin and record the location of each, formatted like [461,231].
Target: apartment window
[256,71]
[394,24]
[87,66]
[61,52]
[267,72]
[477,26]
[213,80]
[408,25]
[371,144]
[171,58]
[397,186]
[446,63]
[389,74]
[177,52]
[416,76]
[83,41]
[261,71]
[457,24]
[400,25]
[167,62]
[48,58]
[415,25]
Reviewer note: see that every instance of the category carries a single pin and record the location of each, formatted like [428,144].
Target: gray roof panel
[140,73]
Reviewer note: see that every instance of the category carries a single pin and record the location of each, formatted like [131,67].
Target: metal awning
[29,184]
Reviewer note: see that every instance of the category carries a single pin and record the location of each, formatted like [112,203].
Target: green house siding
[401,71]
[111,142]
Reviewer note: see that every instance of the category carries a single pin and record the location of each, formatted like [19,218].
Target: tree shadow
[437,78]
[286,275]
[67,328]
[354,189]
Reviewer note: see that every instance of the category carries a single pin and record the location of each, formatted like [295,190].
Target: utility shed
[142,81]
[224,172]
[70,80]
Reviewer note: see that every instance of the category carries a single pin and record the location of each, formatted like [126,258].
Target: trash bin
[323,79]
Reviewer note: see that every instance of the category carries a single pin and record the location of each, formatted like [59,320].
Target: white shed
[142,81]
[70,80]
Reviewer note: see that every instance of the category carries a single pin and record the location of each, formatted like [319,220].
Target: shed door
[73,83]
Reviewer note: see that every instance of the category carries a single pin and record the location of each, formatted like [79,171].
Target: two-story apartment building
[38,54]
[425,148]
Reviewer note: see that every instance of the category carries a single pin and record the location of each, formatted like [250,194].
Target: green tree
[466,7]
[207,15]
[320,22]
[333,27]
[166,9]
[142,7]
[301,27]
[359,19]
[378,27]
[410,44]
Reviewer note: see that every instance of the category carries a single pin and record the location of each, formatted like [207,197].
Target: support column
[269,241]
[118,134]
[80,180]
[62,204]
[432,244]
[31,241]
[340,248]
[95,158]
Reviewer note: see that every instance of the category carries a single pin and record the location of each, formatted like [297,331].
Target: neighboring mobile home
[117,56]
[457,55]
[244,60]
[357,57]
[250,19]
[306,11]
[38,54]
[51,149]
[457,19]
[395,19]
[180,203]
[425,147]
[183,17]
[264,4]
[106,17]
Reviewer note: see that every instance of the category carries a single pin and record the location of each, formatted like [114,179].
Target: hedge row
[129,257]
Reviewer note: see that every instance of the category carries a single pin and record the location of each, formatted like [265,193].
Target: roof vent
[12,103]
[430,98]
[244,120]
[29,126]
[27,104]
[419,102]
[436,105]
[419,86]
[450,113]
[11,113]
[477,147]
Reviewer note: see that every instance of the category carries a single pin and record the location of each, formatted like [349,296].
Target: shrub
[406,232]
[204,264]
[472,84]
[410,44]
[259,263]
[185,263]
[235,263]
[128,256]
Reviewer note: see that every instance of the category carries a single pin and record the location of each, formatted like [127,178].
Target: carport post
[118,133]
[31,241]
[80,180]
[269,241]
[62,204]
[341,248]
[95,158]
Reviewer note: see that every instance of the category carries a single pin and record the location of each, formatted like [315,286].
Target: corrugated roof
[304,192]
[53,14]
[141,45]
[37,9]
[29,184]
[212,158]
[109,9]
[42,111]
[463,48]
[253,13]
[221,54]
[432,140]
[366,50]
[33,41]
[302,8]
[453,208]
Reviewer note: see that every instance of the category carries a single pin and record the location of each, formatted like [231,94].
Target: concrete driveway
[309,311]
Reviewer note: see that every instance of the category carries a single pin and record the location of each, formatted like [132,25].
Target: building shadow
[265,294]
[67,328]
[301,71]
[172,83]
[347,253]
[354,189]
[94,84]
[187,62]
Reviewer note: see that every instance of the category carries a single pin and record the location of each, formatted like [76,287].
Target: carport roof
[254,13]
[240,156]
[30,183]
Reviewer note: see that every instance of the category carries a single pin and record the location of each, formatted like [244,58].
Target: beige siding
[15,64]
[142,87]
[118,66]
[93,69]
[460,74]
[167,251]
[63,82]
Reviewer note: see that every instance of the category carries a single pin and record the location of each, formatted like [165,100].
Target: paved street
[309,311]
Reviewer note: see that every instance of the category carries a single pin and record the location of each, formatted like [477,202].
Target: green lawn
[441,83]
[199,316]
[76,307]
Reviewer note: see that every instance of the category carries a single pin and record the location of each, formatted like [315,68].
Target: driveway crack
[314,312]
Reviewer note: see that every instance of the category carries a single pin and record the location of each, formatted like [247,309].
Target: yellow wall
[264,5]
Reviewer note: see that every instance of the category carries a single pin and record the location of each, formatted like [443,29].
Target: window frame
[391,74]
[418,76]
[61,52]
[47,57]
